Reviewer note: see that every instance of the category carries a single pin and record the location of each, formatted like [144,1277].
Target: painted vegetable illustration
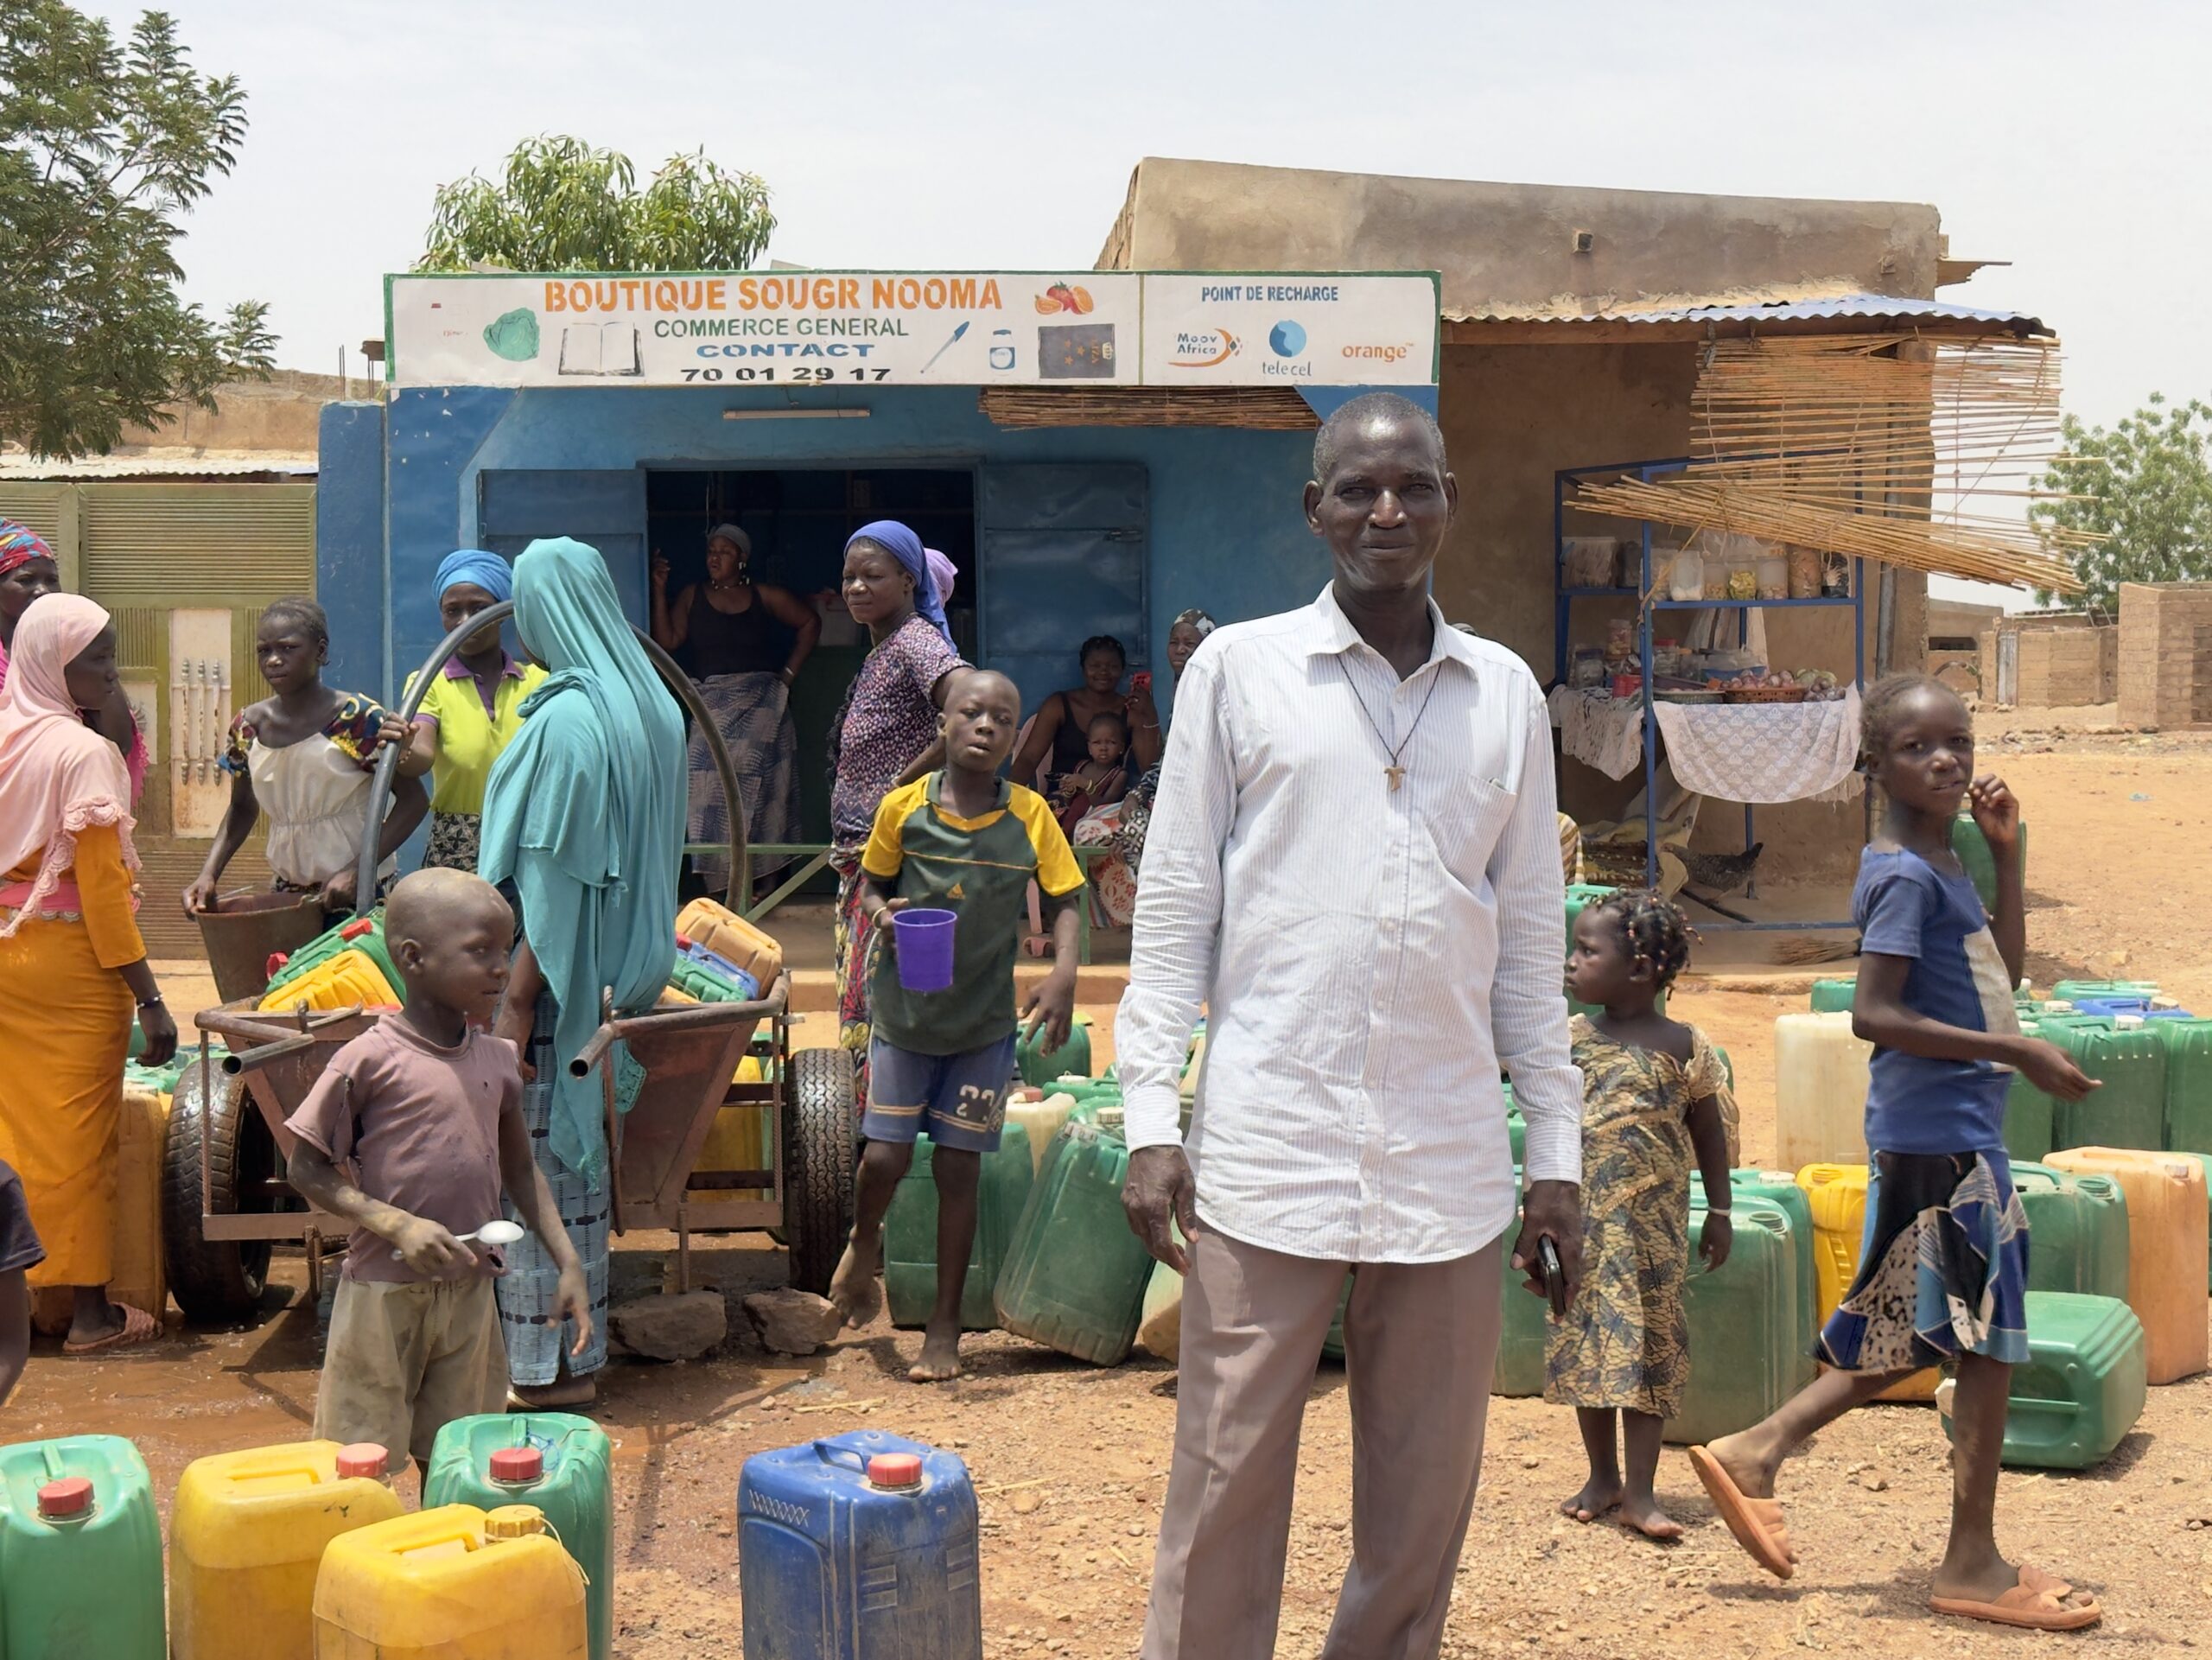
[1063,297]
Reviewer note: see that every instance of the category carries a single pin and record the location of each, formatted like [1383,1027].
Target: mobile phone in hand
[1140,681]
[1554,1276]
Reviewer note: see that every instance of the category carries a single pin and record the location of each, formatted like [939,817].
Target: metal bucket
[245,930]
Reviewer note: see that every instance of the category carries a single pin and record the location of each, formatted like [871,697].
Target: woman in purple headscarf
[885,734]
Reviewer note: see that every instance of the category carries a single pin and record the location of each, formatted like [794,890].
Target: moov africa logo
[1203,349]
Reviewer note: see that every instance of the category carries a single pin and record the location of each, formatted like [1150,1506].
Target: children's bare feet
[854,1287]
[1594,1501]
[1643,1516]
[940,1358]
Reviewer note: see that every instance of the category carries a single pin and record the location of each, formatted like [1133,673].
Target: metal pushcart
[226,1203]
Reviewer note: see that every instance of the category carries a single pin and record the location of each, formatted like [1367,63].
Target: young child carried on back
[1654,1099]
[967,840]
[1942,1274]
[412,1134]
[1098,782]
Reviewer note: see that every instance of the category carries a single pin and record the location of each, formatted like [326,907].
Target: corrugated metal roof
[20,467]
[1869,308]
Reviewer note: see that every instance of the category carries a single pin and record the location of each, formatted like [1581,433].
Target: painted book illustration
[599,349]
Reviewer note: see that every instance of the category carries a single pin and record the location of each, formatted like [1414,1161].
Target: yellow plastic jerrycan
[1820,1090]
[137,1276]
[348,978]
[1837,1193]
[247,1536]
[454,1583]
[2166,1231]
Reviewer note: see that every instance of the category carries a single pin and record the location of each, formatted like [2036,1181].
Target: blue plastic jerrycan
[858,1546]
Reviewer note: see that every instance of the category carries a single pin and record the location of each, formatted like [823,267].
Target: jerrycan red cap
[895,1470]
[516,1465]
[363,1459]
[71,1496]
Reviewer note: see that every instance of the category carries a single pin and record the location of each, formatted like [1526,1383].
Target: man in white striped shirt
[1353,866]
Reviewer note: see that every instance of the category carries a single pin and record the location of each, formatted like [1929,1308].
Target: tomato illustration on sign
[1065,297]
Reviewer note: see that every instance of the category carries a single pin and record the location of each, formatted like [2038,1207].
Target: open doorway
[797,520]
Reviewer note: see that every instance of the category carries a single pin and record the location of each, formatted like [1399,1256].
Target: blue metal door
[1062,555]
[606,508]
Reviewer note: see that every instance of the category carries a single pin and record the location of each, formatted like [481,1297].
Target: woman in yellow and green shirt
[474,709]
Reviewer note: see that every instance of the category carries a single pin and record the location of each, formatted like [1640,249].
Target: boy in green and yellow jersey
[967,840]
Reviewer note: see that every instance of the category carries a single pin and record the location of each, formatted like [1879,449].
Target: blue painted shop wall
[349,541]
[1226,532]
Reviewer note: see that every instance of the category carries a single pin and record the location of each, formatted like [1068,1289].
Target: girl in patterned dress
[1654,1094]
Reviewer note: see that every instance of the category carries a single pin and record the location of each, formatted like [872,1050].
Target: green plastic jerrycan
[1779,1188]
[1523,1316]
[2081,1388]
[2029,1116]
[910,1232]
[1973,849]
[1040,1065]
[2189,1083]
[1743,1326]
[2077,1230]
[2071,991]
[1834,996]
[80,1552]
[554,1461]
[2129,1108]
[1075,1275]
[1332,1346]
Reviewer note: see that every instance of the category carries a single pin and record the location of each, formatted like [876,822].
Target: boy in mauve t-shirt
[412,1134]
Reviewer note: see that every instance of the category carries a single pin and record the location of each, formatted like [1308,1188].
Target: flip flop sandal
[2033,1608]
[138,1326]
[1756,1524]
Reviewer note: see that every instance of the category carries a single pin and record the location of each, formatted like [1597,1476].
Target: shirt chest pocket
[1477,782]
[1466,824]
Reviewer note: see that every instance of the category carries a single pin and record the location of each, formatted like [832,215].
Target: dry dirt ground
[1072,1461]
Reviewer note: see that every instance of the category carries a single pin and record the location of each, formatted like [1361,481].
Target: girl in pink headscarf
[72,960]
[27,572]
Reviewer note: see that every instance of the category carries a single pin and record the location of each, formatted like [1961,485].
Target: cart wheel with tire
[220,1162]
[820,1136]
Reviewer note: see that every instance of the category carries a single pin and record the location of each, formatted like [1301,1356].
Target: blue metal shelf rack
[1563,601]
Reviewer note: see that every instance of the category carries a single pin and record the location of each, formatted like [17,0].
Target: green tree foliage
[103,148]
[562,205]
[2146,488]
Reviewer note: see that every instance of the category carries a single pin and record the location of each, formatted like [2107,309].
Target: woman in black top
[1059,738]
[748,642]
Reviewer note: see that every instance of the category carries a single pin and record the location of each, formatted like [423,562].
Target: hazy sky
[2068,139]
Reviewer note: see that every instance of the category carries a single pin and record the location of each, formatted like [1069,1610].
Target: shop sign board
[842,330]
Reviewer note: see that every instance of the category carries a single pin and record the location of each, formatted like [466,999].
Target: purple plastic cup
[924,941]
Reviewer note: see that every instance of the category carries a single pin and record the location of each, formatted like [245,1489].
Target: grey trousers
[1420,1341]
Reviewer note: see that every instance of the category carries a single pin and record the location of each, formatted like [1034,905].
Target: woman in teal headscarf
[583,824]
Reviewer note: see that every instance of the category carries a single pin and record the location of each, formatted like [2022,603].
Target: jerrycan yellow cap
[513,1522]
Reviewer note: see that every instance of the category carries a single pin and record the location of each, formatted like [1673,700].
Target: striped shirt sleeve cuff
[1151,1117]
[1552,1151]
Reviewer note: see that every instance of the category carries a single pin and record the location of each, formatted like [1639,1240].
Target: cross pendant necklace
[1392,769]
